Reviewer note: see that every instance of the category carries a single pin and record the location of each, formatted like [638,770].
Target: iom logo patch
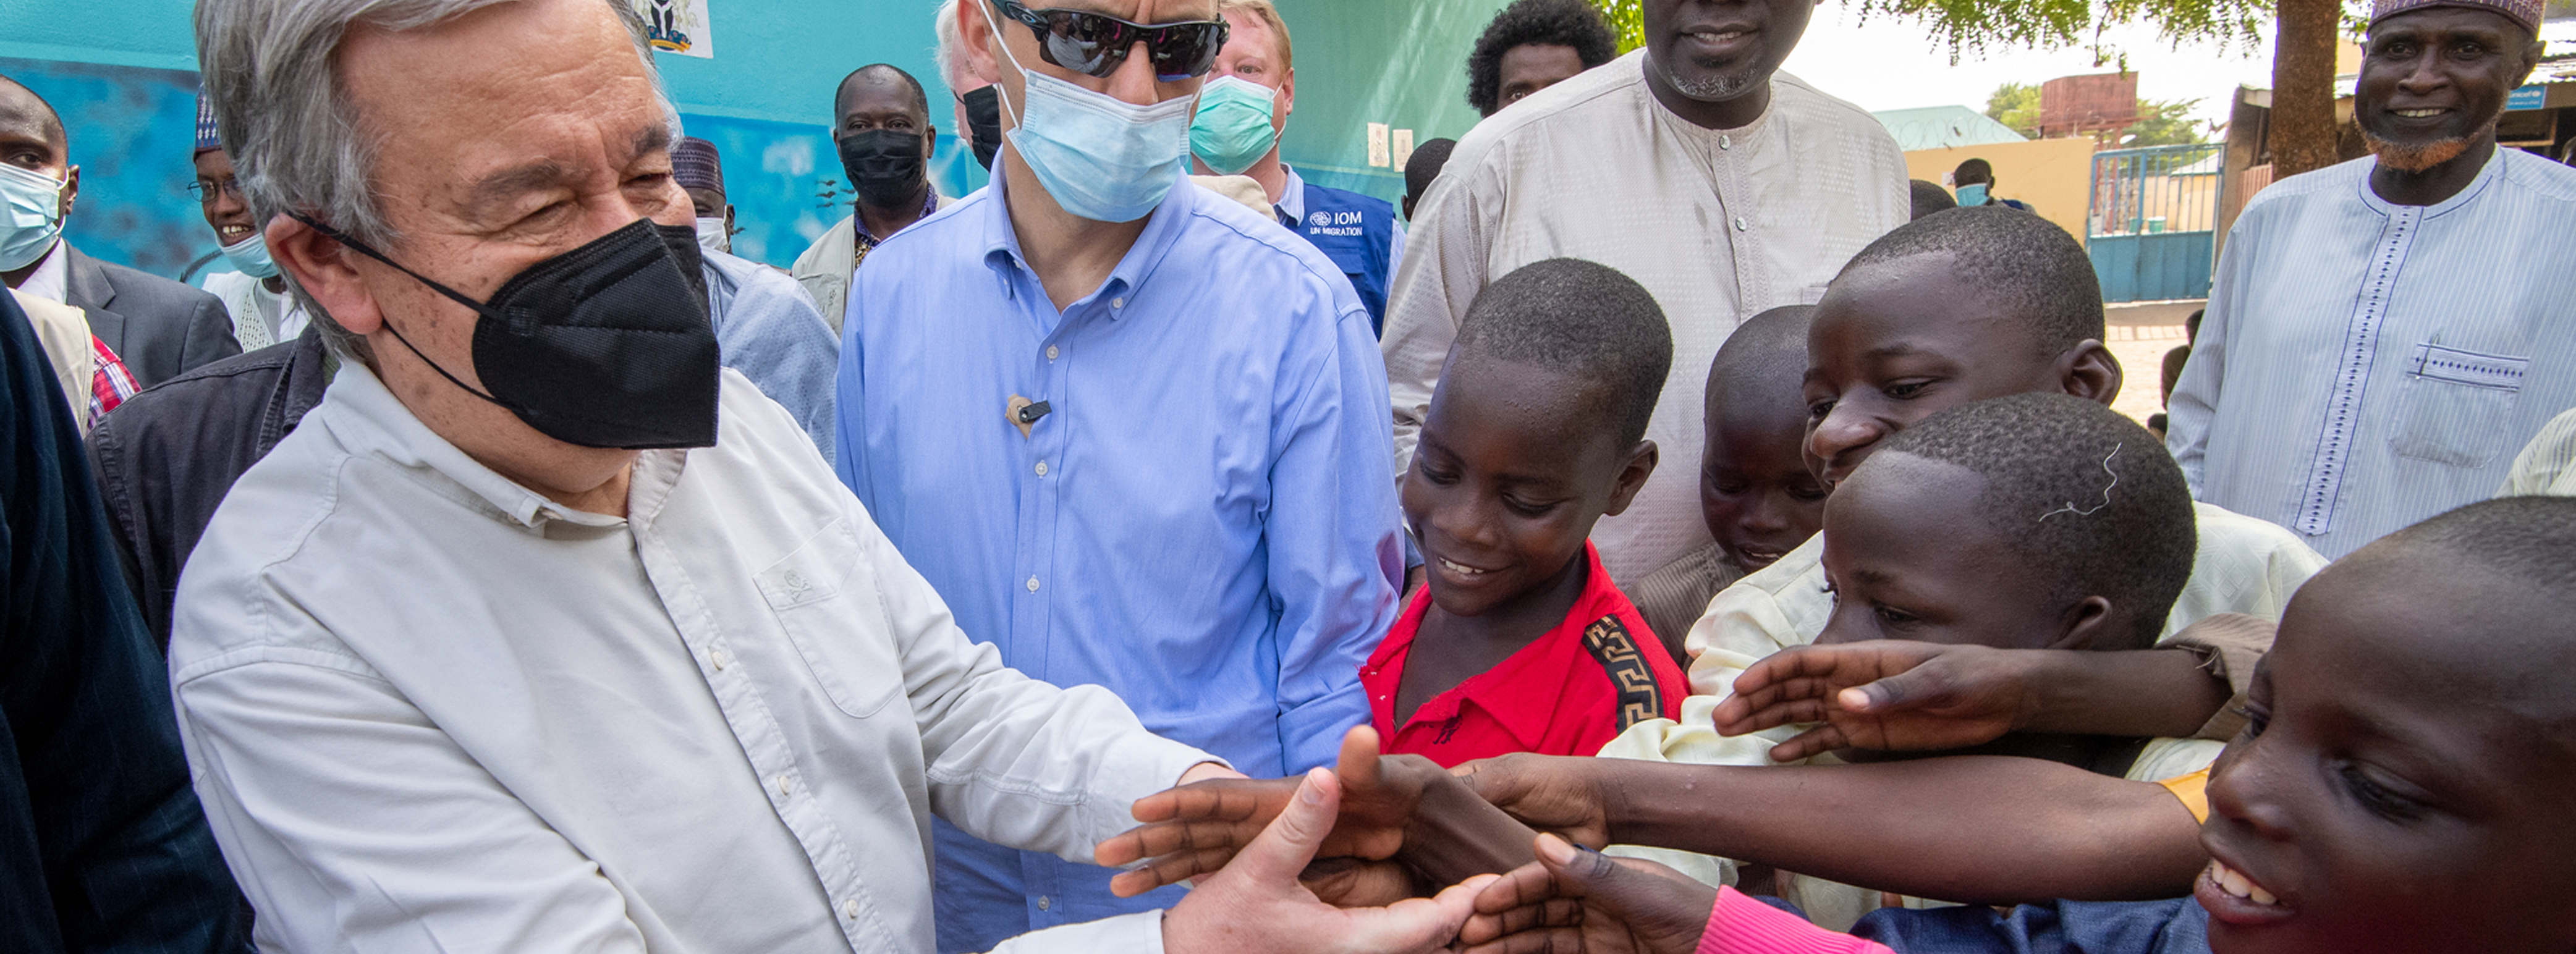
[1319,219]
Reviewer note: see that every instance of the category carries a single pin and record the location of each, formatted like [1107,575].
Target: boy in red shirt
[1520,642]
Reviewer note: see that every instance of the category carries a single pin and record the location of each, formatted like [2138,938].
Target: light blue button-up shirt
[2365,365]
[1201,521]
[767,328]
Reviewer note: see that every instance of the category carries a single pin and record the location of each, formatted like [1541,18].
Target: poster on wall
[678,26]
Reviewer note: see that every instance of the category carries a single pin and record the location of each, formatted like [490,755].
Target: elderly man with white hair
[979,103]
[543,632]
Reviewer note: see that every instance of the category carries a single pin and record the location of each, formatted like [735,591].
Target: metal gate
[2154,221]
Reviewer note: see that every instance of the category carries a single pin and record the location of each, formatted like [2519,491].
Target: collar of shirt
[1523,692]
[52,278]
[1002,253]
[859,223]
[2486,174]
[370,421]
[1292,197]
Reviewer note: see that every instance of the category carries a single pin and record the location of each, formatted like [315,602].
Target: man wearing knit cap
[2383,334]
[700,171]
[766,325]
[254,292]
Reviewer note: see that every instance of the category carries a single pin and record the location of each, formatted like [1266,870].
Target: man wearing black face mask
[881,127]
[540,627]
[979,102]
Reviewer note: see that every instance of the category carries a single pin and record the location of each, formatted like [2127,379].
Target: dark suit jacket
[102,844]
[168,456]
[158,327]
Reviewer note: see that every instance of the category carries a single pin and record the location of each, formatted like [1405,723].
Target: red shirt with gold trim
[1568,692]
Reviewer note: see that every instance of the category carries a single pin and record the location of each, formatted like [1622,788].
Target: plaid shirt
[110,385]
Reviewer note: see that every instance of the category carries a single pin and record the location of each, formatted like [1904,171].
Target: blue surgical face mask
[1101,157]
[1972,194]
[1233,128]
[250,255]
[31,216]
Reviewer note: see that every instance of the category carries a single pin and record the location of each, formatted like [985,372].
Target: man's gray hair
[950,54]
[295,139]
[285,118]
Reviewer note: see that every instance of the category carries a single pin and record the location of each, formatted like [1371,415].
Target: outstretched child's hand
[1573,900]
[1195,829]
[1894,695]
[1551,793]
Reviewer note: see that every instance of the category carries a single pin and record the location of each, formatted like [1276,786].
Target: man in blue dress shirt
[1131,432]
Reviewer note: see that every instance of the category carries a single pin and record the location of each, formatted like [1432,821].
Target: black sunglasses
[1096,44]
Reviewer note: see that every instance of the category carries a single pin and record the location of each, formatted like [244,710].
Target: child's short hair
[2088,496]
[1764,358]
[1580,319]
[2027,266]
[2530,538]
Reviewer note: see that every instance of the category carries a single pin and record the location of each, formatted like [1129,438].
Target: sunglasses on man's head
[1096,44]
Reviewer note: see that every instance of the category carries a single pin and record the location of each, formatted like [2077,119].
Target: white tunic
[1719,224]
[429,710]
[2365,365]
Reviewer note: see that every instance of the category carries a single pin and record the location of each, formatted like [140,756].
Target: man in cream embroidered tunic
[1693,166]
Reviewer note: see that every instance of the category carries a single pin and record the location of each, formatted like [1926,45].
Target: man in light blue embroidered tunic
[2385,333]
[1127,431]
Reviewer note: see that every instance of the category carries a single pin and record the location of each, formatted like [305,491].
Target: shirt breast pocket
[2456,407]
[825,599]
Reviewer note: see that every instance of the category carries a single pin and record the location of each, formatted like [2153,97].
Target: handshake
[1354,859]
[1395,854]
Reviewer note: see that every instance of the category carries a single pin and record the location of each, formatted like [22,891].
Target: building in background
[2100,105]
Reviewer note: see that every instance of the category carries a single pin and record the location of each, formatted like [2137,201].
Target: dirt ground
[2140,334]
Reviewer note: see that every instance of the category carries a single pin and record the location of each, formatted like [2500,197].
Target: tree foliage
[2016,105]
[2166,122]
[1970,27]
[1627,20]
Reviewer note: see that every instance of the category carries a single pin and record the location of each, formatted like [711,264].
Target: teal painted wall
[1399,62]
[122,72]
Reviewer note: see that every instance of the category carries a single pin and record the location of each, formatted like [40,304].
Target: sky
[1892,63]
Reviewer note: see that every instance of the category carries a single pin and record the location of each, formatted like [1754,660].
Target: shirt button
[1741,225]
[1033,584]
[716,656]
[1050,352]
[850,908]
[1119,302]
[1045,902]
[1725,142]
[784,786]
[1042,468]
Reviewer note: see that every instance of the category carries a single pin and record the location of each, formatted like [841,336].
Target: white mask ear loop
[1002,95]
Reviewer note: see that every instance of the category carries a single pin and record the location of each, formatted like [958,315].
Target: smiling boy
[2403,785]
[1520,642]
[1951,309]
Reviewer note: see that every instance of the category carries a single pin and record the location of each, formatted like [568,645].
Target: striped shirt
[2547,464]
[2365,365]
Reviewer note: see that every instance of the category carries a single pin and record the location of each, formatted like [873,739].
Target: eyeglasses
[1096,44]
[208,190]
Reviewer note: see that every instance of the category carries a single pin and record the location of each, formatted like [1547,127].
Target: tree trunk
[2303,69]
